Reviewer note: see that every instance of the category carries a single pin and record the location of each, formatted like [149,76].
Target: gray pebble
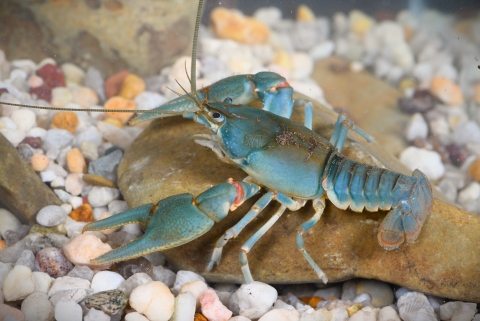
[57,138]
[34,242]
[51,215]
[83,272]
[164,275]
[106,166]
[37,307]
[26,258]
[94,80]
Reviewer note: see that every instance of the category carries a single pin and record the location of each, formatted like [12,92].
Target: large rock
[443,261]
[22,191]
[141,35]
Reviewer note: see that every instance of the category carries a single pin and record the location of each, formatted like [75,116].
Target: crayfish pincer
[294,165]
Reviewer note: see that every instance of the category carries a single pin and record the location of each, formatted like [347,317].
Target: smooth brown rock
[22,191]
[443,261]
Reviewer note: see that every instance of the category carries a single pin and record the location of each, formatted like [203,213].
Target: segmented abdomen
[350,183]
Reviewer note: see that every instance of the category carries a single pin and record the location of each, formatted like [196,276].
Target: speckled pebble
[68,310]
[154,300]
[111,302]
[37,307]
[52,261]
[51,215]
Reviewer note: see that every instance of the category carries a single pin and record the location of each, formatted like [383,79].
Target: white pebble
[8,221]
[18,283]
[101,196]
[57,138]
[96,315]
[51,215]
[68,283]
[268,15]
[339,314]
[184,309]
[135,316]
[89,150]
[58,182]
[317,315]
[106,280]
[149,100]
[414,306]
[255,299]
[154,300]
[302,65]
[363,316]
[185,277]
[24,119]
[133,282]
[48,176]
[416,128]
[427,161]
[322,50]
[68,311]
[67,208]
[281,315]
[43,281]
[466,132]
[196,288]
[14,136]
[115,135]
[76,295]
[362,297]
[388,314]
[457,311]
[37,307]
[470,193]
[62,195]
[117,206]
[75,201]
[73,227]
[8,123]
[37,132]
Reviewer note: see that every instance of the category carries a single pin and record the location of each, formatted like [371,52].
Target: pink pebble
[212,308]
[35,81]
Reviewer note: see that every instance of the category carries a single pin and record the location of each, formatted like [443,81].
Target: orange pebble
[446,90]
[199,317]
[114,83]
[304,13]
[114,122]
[132,86]
[474,169]
[76,162]
[83,213]
[67,120]
[120,103]
[39,162]
[311,300]
[230,24]
[3,245]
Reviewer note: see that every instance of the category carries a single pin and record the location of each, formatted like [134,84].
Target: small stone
[52,75]
[61,96]
[133,266]
[197,288]
[360,23]
[457,155]
[212,308]
[37,307]
[97,180]
[89,150]
[76,295]
[281,315]
[8,313]
[388,314]
[163,275]
[328,292]
[8,221]
[117,103]
[85,247]
[185,277]
[304,13]
[101,196]
[311,300]
[474,169]
[73,227]
[106,166]
[114,83]
[73,73]
[302,65]
[255,299]
[283,59]
[67,120]
[429,162]
[446,90]
[323,315]
[134,281]
[363,316]
[132,86]
[27,259]
[322,50]
[52,261]
[106,280]
[96,315]
[421,102]
[94,80]
[362,297]
[156,258]
[135,316]
[14,136]
[43,281]
[154,300]
[68,283]
[57,139]
[76,162]
[25,119]
[85,97]
[83,213]
[148,100]
[470,193]
[416,128]
[39,162]
[115,135]
[457,311]
[34,142]
[18,283]
[184,309]
[466,132]
[111,302]
[83,272]
[68,310]
[380,292]
[51,215]
[231,24]
[414,306]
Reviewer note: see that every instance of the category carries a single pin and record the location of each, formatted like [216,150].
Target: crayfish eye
[217,117]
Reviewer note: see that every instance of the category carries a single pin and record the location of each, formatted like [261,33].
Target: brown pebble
[52,261]
[132,86]
[113,84]
[474,169]
[76,162]
[97,180]
[311,300]
[456,154]
[120,103]
[199,317]
[83,213]
[67,120]
[3,245]
[35,142]
[421,102]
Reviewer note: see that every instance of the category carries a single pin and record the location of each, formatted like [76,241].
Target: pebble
[106,280]
[429,162]
[101,196]
[73,227]
[73,74]
[197,288]
[154,300]
[76,162]
[231,24]
[416,128]
[133,266]
[96,315]
[466,132]
[18,283]
[255,299]
[134,281]
[76,295]
[302,65]
[14,136]
[84,97]
[281,315]
[111,301]
[8,221]
[474,169]
[39,162]
[117,103]
[37,307]
[51,215]
[27,259]
[57,139]
[212,308]
[363,316]
[85,247]
[68,283]
[106,166]
[446,90]
[94,80]
[421,102]
[25,119]
[328,292]
[159,273]
[185,277]
[74,184]
[113,84]
[470,193]
[52,261]
[8,313]
[3,245]
[380,292]
[67,120]
[360,23]
[83,213]
[148,100]
[61,96]
[414,306]
[388,314]
[135,316]
[115,135]
[43,281]
[68,310]
[83,272]
[322,50]
[97,180]
[457,311]
[132,86]
[184,308]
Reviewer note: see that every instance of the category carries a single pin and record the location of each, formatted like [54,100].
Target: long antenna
[193,72]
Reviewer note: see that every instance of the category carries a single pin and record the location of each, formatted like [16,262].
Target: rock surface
[343,243]
[26,196]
